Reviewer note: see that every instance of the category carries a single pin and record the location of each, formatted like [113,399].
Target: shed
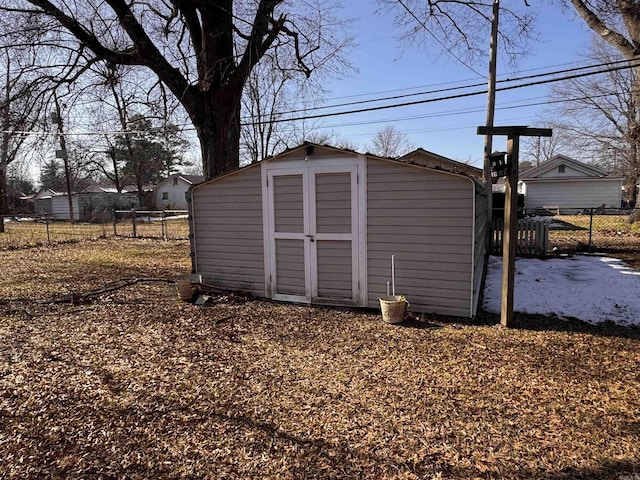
[317,224]
[567,185]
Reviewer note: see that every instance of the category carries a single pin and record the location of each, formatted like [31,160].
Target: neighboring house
[60,206]
[433,160]
[93,203]
[42,201]
[171,194]
[567,185]
[97,203]
[317,224]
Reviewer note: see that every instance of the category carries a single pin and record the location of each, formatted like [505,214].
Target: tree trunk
[3,195]
[219,134]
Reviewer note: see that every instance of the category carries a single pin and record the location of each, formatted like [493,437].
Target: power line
[448,97]
[627,65]
[450,89]
[404,89]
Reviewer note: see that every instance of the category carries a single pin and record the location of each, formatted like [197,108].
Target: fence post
[46,222]
[164,225]
[115,220]
[133,222]
[590,227]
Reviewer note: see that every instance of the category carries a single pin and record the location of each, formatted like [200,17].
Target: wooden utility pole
[62,153]
[491,105]
[510,234]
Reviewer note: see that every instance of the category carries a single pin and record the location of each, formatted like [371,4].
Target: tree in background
[147,158]
[390,142]
[536,150]
[203,52]
[52,171]
[114,95]
[273,94]
[460,29]
[601,117]
[20,109]
[617,22]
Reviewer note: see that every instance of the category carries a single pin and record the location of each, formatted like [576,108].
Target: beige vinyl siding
[573,194]
[228,233]
[334,269]
[333,203]
[424,218]
[290,278]
[289,204]
[480,244]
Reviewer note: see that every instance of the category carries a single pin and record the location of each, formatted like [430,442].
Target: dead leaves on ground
[136,384]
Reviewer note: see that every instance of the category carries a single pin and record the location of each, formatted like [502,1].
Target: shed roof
[408,159]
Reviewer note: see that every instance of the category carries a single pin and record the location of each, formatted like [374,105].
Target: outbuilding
[319,225]
[564,185]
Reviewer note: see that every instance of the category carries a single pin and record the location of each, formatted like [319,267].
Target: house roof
[587,170]
[192,179]
[189,179]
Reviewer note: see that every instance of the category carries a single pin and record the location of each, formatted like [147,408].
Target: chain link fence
[588,229]
[164,224]
[22,231]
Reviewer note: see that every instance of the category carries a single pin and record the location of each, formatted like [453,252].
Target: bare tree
[616,22]
[273,94]
[203,52]
[265,96]
[20,109]
[540,149]
[390,142]
[460,29]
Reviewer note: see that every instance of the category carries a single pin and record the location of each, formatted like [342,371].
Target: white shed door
[314,235]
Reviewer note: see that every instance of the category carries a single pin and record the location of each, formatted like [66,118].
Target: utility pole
[491,106]
[510,233]
[62,153]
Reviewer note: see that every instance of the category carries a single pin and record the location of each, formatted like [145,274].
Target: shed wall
[480,245]
[228,233]
[424,218]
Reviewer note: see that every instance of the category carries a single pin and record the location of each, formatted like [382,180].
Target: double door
[313,234]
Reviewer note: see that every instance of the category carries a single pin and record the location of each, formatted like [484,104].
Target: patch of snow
[592,288]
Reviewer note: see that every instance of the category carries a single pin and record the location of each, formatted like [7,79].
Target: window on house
[175,181]
[560,168]
[165,195]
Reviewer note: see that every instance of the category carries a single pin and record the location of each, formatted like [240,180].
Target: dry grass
[609,233]
[23,234]
[138,385]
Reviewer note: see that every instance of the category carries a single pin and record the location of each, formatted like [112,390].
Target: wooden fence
[532,237]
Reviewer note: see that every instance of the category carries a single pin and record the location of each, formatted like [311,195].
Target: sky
[385,67]
[592,288]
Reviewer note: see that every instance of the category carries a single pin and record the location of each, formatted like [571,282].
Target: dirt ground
[104,373]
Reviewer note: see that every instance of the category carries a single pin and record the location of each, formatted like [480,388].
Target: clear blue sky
[384,66]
